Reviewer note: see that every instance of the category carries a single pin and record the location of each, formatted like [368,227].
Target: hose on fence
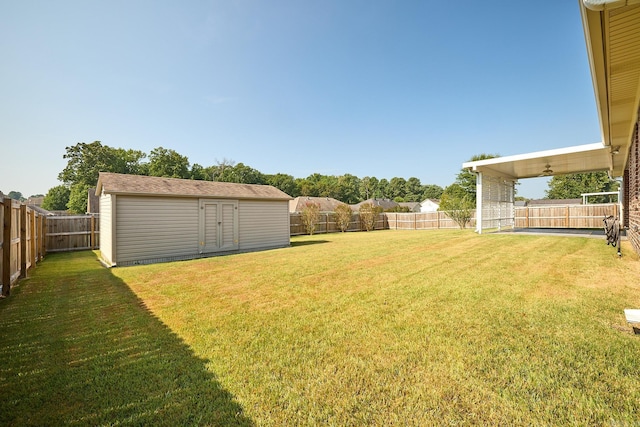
[612,231]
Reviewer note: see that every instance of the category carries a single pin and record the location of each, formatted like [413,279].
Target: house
[147,219]
[384,204]
[411,206]
[429,205]
[553,202]
[327,204]
[611,30]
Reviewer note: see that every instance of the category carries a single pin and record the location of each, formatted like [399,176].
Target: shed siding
[263,224]
[106,243]
[155,228]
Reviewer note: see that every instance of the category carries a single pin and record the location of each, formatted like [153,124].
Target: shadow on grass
[308,242]
[77,347]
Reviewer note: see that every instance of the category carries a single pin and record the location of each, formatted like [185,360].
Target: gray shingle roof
[115,183]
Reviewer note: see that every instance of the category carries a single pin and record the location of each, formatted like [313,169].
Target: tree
[168,163]
[343,214]
[396,188]
[78,197]
[368,186]
[284,182]
[368,215]
[310,216]
[467,179]
[574,185]
[86,161]
[217,171]
[457,204]
[15,195]
[198,173]
[413,190]
[432,192]
[242,174]
[56,198]
[348,186]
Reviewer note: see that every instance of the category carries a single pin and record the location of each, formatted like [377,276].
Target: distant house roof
[115,183]
[383,203]
[35,201]
[551,202]
[327,204]
[413,206]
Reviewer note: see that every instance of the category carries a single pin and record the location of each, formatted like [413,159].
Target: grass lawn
[386,327]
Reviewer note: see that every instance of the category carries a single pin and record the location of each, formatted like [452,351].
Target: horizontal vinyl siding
[106,248]
[156,227]
[263,224]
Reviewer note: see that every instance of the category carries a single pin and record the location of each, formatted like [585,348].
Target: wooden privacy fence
[72,233]
[566,216]
[22,242]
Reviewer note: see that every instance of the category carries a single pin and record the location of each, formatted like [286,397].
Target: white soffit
[612,34]
[578,159]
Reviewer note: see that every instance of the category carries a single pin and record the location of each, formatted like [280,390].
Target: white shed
[146,219]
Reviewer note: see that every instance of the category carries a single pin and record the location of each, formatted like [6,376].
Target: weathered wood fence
[72,233]
[565,216]
[22,242]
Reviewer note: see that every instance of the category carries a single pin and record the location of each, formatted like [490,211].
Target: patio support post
[479,202]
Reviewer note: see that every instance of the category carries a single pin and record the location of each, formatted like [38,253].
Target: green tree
[198,173]
[457,204]
[467,179]
[343,215]
[413,190]
[78,197]
[16,195]
[284,182]
[242,174]
[348,189]
[396,188]
[310,216]
[56,198]
[168,163]
[573,185]
[382,190]
[86,161]
[432,192]
[368,186]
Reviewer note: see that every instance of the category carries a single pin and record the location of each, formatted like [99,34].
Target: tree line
[86,160]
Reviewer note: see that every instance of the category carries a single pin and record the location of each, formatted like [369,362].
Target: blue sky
[370,88]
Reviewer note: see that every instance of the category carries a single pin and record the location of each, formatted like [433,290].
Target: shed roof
[115,183]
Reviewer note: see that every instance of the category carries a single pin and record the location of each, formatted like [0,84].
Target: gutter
[601,5]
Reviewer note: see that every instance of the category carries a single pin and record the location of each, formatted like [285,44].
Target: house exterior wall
[263,224]
[155,228]
[632,198]
[106,241]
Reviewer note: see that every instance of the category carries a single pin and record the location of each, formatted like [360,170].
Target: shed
[147,219]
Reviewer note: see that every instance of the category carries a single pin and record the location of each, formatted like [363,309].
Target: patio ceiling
[583,158]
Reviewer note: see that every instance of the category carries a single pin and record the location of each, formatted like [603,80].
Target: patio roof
[582,158]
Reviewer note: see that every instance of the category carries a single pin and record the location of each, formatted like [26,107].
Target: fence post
[23,241]
[92,236]
[566,218]
[6,248]
[33,238]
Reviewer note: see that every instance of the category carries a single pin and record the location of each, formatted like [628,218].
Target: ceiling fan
[547,171]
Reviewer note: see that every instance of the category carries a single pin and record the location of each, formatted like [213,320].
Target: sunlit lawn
[379,328]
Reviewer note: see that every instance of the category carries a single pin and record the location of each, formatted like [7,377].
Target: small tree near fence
[368,215]
[458,207]
[310,217]
[343,217]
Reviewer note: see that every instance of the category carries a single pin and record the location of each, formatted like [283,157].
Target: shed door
[218,225]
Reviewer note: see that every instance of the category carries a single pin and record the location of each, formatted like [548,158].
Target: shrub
[310,217]
[343,217]
[459,209]
[368,215]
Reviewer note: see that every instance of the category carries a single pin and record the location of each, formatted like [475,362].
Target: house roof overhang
[582,158]
[612,36]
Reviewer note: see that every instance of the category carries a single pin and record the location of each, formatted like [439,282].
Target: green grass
[388,327]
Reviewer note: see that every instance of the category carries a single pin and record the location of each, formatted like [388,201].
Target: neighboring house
[35,201]
[385,204]
[429,205]
[327,204]
[147,219]
[412,206]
